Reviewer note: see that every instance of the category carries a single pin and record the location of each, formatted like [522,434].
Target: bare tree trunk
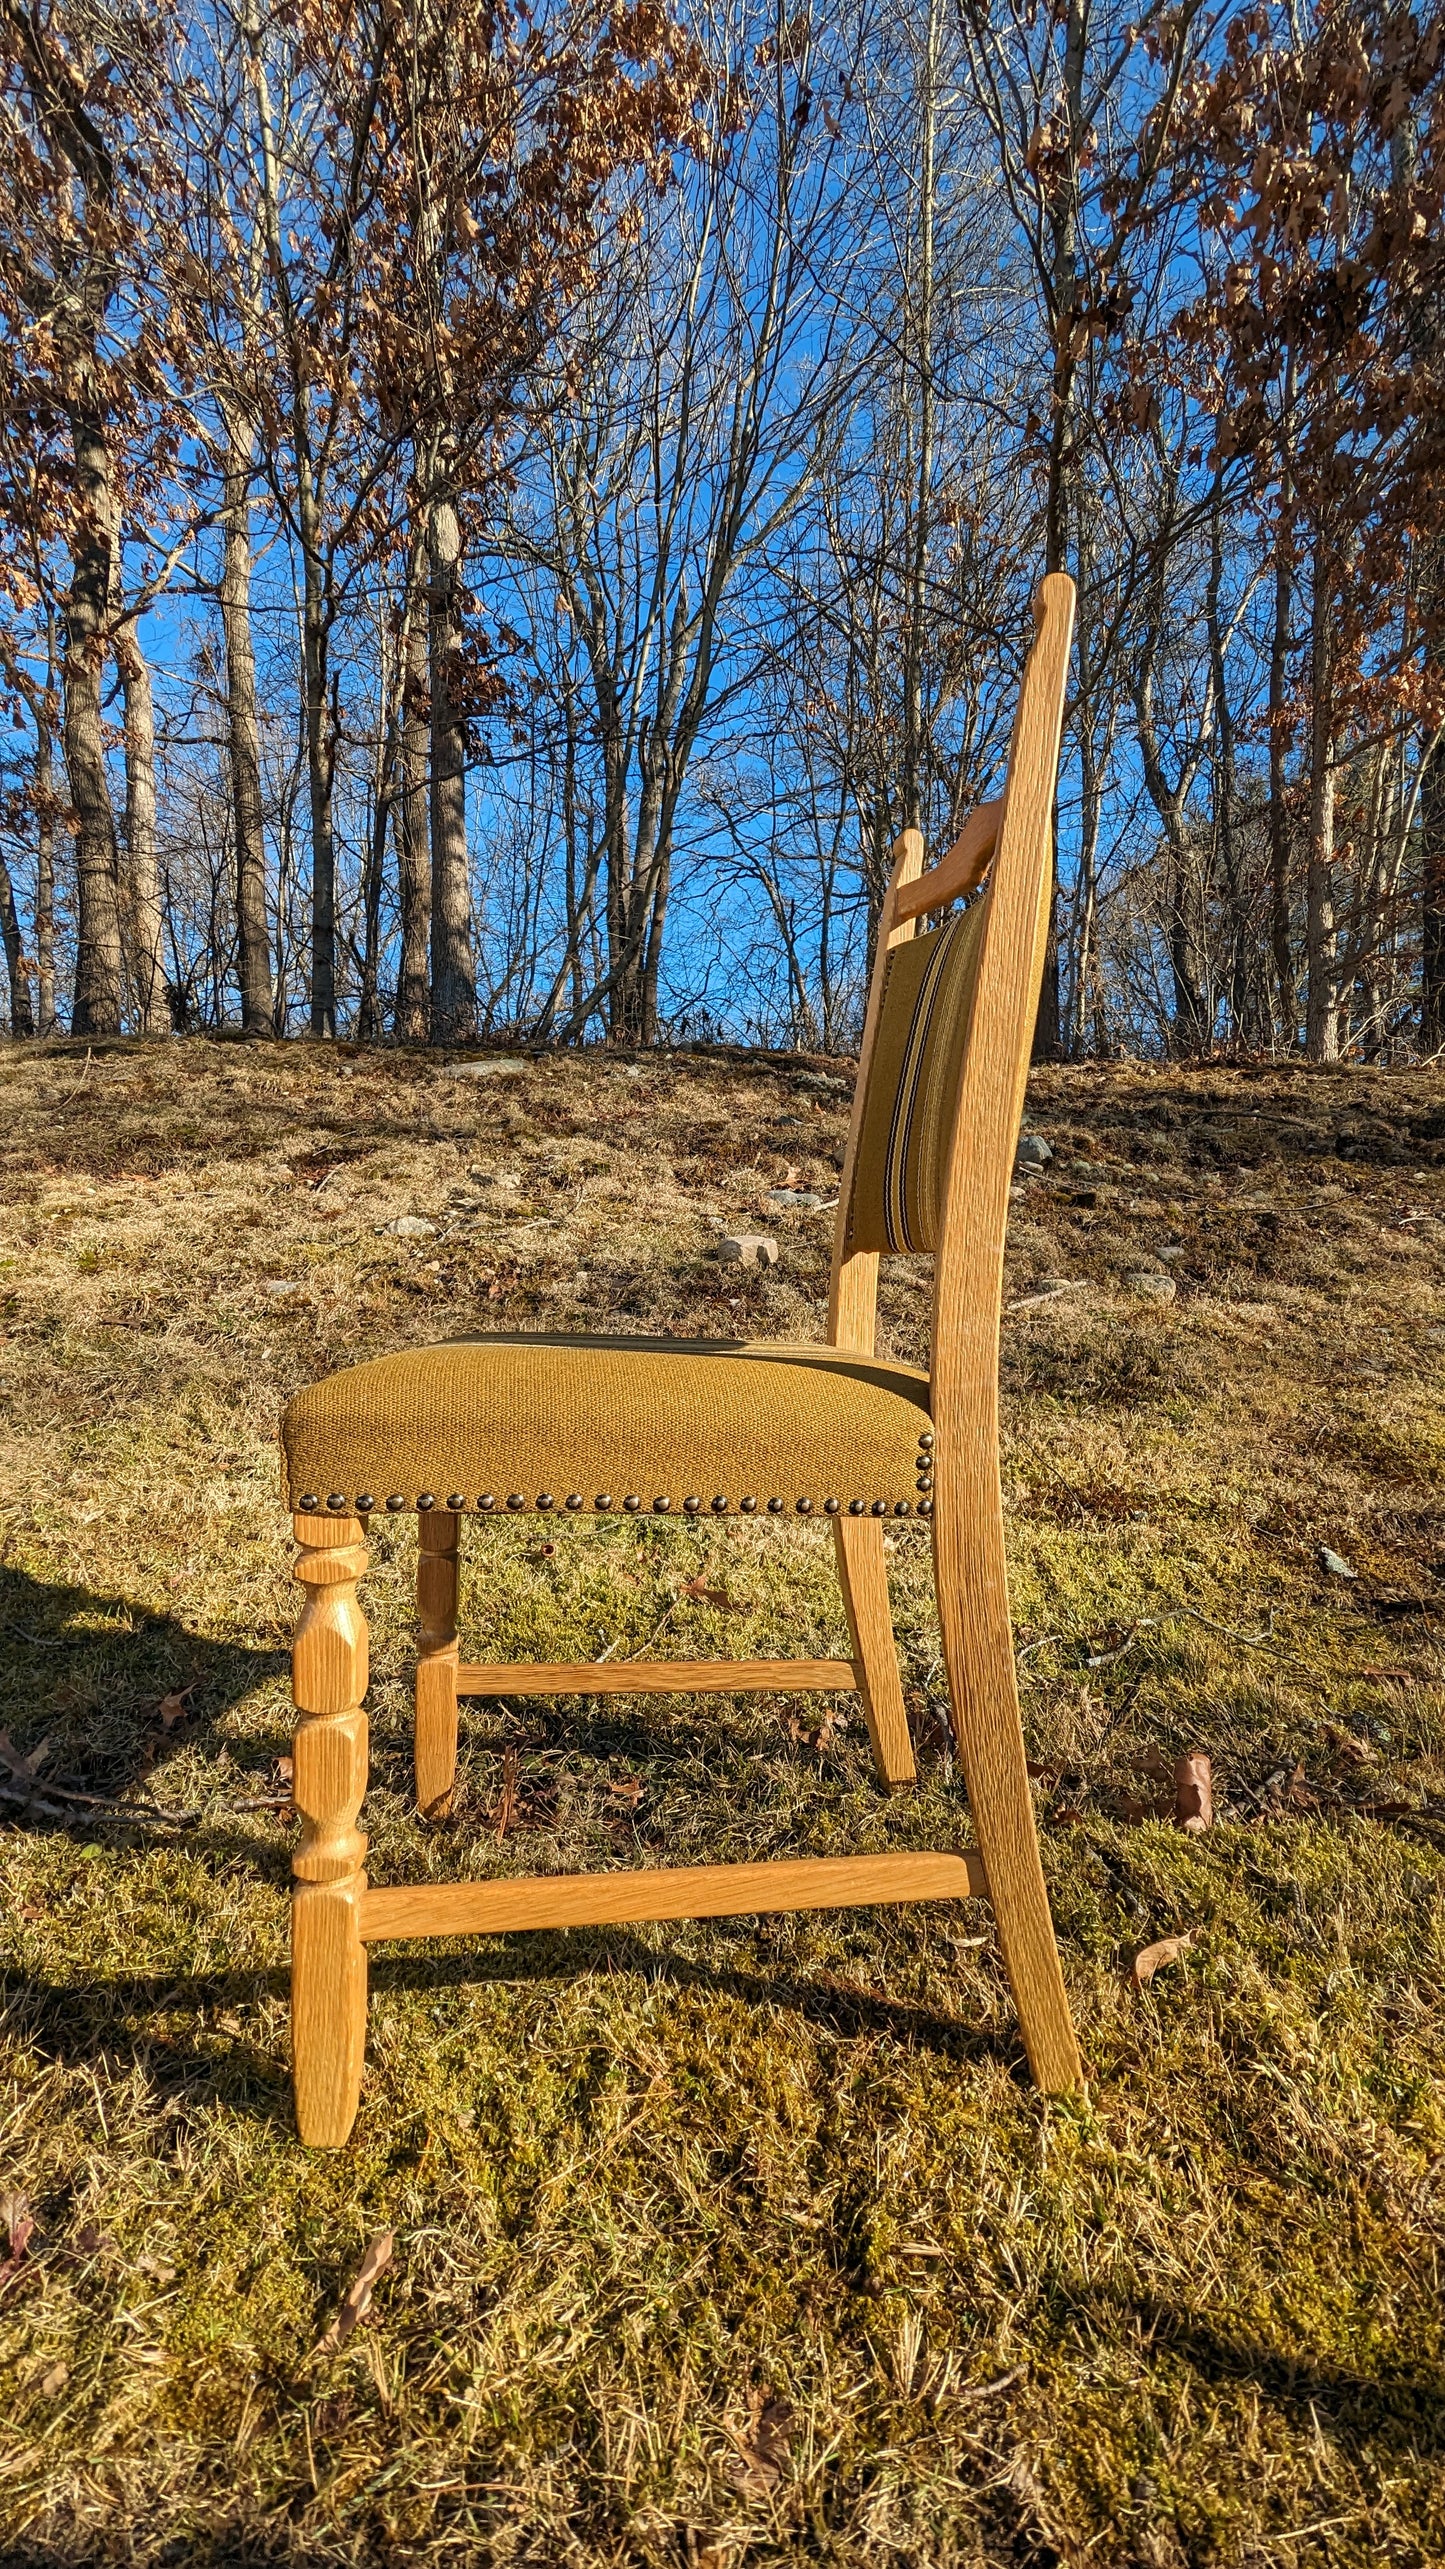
[453,992]
[97,1008]
[1432,825]
[413,858]
[244,740]
[1279,918]
[45,874]
[141,898]
[1322,1005]
[17,964]
[914,722]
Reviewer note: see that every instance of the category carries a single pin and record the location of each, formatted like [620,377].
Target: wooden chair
[596,1425]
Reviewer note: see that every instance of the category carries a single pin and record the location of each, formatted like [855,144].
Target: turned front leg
[328,1957]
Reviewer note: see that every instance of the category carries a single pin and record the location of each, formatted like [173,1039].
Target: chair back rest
[951,1011]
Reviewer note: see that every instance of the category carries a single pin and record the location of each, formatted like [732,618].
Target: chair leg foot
[328,1957]
[863,1577]
[978,1653]
[328,2009]
[435,1736]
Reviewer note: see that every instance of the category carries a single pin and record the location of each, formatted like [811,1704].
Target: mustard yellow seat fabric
[603,1424]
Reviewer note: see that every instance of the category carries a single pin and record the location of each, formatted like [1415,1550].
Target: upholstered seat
[602,1424]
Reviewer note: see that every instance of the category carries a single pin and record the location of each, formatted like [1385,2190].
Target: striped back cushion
[907,1119]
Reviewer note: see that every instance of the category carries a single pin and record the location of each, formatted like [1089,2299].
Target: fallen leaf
[627,1790]
[709,1596]
[764,2450]
[1289,1790]
[1157,1957]
[1356,1752]
[1381,1810]
[1194,1792]
[1067,1818]
[172,1708]
[19,2230]
[24,1769]
[357,2303]
[284,1770]
[1391,1676]
[55,2380]
[506,1810]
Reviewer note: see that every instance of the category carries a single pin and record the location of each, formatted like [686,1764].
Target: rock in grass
[799,1199]
[1150,1287]
[1033,1151]
[487,1069]
[1336,1565]
[748,1249]
[410,1226]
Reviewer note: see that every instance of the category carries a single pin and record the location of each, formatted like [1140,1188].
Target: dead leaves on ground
[764,2450]
[19,2228]
[377,2257]
[1158,1956]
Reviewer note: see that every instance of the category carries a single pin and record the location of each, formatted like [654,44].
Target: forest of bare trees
[507,511]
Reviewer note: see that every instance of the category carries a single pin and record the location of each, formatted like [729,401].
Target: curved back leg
[863,1577]
[435,1739]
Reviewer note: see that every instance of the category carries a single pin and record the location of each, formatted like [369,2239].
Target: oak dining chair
[517,1425]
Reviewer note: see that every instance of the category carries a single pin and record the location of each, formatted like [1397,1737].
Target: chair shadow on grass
[76,2021]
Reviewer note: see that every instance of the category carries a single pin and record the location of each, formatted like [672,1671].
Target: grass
[742,2242]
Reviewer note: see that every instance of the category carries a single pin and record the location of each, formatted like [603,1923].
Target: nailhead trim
[604,1504]
[925,1438]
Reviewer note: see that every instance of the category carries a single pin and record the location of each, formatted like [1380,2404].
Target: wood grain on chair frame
[336,1915]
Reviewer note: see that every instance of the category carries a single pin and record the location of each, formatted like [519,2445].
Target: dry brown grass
[742,2242]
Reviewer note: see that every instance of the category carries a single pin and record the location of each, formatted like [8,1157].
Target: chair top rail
[959,871]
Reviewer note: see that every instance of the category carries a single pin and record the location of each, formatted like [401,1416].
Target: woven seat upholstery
[603,1423]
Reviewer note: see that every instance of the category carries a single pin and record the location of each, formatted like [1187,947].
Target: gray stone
[279,1285]
[1337,1568]
[798,1199]
[748,1249]
[1033,1151]
[487,1069]
[1150,1286]
[410,1226]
